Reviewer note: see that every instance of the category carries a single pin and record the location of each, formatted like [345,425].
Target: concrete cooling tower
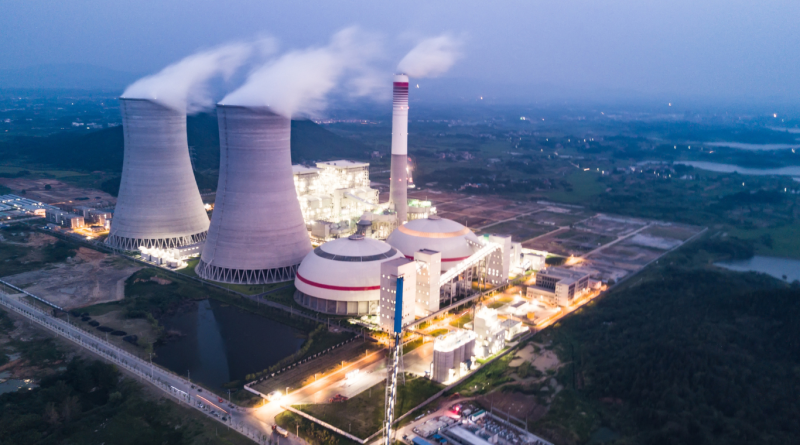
[398,188]
[257,232]
[158,204]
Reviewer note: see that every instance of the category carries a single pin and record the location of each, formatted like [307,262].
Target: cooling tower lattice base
[122,243]
[246,276]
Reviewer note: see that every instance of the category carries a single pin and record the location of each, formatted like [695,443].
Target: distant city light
[775,115]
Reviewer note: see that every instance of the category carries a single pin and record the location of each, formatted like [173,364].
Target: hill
[102,150]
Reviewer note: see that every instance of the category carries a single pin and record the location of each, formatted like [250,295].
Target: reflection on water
[220,343]
[777,267]
[13,385]
[729,168]
[744,146]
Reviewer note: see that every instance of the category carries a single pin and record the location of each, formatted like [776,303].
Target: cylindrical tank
[158,204]
[398,187]
[257,232]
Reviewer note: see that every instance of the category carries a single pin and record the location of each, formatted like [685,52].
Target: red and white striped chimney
[398,188]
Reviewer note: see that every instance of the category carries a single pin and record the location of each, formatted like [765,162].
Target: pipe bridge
[484,250]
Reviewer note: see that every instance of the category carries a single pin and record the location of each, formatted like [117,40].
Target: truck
[280,431]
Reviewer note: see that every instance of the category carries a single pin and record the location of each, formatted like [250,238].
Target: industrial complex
[394,265]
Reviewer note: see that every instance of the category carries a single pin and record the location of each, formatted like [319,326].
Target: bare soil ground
[90,277]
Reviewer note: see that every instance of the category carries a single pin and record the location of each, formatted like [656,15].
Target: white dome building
[343,276]
[434,233]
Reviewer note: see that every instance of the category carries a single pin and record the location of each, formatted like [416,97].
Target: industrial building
[453,355]
[491,336]
[343,276]
[334,191]
[559,286]
[14,203]
[257,233]
[454,241]
[388,312]
[429,273]
[64,219]
[159,204]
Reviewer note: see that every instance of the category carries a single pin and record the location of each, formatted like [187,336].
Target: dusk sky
[701,48]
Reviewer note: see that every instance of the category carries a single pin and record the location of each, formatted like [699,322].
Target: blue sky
[702,48]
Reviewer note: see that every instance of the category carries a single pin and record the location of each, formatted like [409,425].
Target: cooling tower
[398,188]
[158,204]
[257,232]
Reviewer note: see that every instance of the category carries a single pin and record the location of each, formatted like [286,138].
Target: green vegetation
[17,258]
[682,354]
[412,345]
[438,332]
[362,415]
[88,403]
[318,340]
[102,150]
[582,186]
[487,378]
[783,241]
[462,320]
[310,431]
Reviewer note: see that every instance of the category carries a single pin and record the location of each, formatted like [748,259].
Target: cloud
[432,57]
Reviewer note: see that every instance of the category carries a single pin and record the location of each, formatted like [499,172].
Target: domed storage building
[343,276]
[435,233]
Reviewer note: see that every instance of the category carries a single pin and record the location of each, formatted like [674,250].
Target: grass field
[362,415]
[460,321]
[58,174]
[584,186]
[785,240]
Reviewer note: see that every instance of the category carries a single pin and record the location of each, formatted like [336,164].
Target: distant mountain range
[102,150]
[66,76]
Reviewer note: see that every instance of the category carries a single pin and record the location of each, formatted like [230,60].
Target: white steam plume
[298,82]
[183,86]
[432,57]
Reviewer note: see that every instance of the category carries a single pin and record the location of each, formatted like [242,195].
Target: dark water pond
[221,343]
[777,267]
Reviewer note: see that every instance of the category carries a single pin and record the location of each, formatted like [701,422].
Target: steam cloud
[298,82]
[432,57]
[183,86]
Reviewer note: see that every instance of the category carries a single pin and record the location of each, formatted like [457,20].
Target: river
[220,343]
[777,267]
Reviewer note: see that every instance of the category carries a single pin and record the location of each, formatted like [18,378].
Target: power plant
[257,232]
[159,205]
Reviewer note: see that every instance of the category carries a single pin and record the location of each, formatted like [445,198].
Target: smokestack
[257,232]
[398,187]
[158,204]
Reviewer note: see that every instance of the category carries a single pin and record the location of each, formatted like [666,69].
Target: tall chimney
[398,187]
[159,204]
[257,232]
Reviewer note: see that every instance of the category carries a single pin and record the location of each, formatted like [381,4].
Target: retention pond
[216,343]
